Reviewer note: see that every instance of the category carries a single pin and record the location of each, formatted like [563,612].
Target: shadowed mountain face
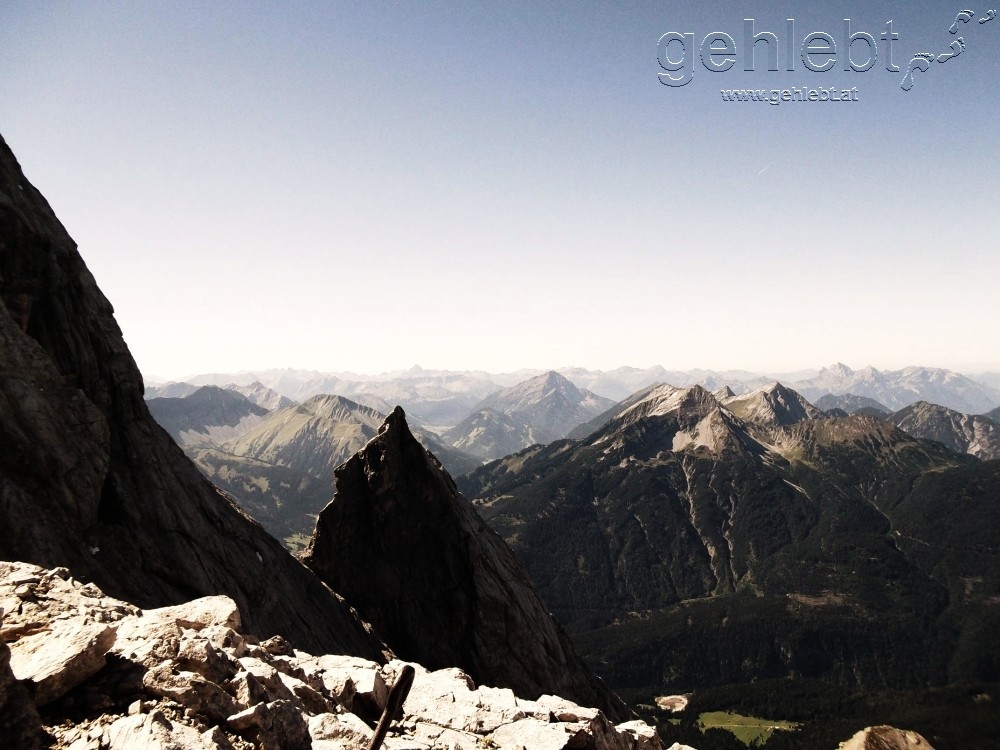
[89,481]
[686,547]
[964,433]
[411,554]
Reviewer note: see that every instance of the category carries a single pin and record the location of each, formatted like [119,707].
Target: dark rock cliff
[416,560]
[90,482]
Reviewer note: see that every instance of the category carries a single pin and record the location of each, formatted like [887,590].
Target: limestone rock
[60,659]
[201,613]
[34,598]
[345,728]
[448,698]
[192,691]
[275,726]
[188,681]
[154,732]
[526,734]
[357,683]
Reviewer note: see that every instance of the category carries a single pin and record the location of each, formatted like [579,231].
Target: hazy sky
[365,186]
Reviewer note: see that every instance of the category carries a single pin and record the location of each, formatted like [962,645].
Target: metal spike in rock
[392,705]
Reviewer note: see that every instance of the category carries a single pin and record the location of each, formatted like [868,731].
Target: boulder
[155,732]
[192,691]
[58,660]
[345,728]
[886,738]
[448,698]
[527,734]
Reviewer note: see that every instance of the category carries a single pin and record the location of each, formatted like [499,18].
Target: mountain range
[441,399]
[687,546]
[279,465]
[898,388]
[432,398]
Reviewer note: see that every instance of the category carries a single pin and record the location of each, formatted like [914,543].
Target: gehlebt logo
[817,51]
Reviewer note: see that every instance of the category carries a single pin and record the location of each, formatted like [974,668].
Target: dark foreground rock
[416,560]
[20,725]
[186,678]
[89,481]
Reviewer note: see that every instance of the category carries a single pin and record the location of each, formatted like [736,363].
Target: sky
[498,185]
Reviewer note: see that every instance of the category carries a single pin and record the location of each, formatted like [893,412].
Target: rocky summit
[89,672]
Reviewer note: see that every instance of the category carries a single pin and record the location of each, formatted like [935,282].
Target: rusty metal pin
[392,705]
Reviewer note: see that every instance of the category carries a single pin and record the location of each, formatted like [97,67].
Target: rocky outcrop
[413,556]
[885,738]
[90,482]
[185,677]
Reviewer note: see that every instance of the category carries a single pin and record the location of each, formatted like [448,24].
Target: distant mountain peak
[333,406]
[541,409]
[772,405]
[261,395]
[839,368]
